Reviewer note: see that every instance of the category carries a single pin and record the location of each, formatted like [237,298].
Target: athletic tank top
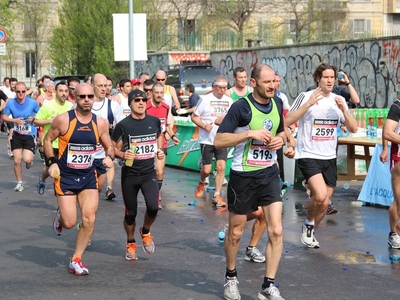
[253,155]
[167,96]
[160,112]
[236,97]
[77,147]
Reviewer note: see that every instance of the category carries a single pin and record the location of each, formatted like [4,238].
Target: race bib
[126,112]
[219,108]
[24,129]
[99,147]
[324,130]
[163,124]
[80,156]
[146,146]
[259,155]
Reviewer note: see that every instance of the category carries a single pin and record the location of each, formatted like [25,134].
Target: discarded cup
[346,186]
[210,188]
[192,203]
[221,236]
[356,203]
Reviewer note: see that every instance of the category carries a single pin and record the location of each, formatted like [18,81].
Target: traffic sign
[3,50]
[3,35]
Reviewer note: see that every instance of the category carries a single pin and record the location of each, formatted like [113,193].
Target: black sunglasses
[91,96]
[137,100]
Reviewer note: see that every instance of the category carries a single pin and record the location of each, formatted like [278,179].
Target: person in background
[136,84]
[193,100]
[143,77]
[125,86]
[88,78]
[240,88]
[170,96]
[73,82]
[23,110]
[391,133]
[44,118]
[209,112]
[346,89]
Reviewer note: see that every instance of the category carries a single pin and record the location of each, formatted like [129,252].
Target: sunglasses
[160,79]
[137,100]
[72,88]
[20,92]
[147,90]
[90,96]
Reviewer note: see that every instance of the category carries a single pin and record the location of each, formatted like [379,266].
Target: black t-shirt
[3,96]
[239,115]
[145,132]
[193,100]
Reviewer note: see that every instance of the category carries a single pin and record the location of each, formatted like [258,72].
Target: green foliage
[83,41]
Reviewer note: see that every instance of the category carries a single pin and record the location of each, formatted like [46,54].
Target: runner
[140,137]
[78,132]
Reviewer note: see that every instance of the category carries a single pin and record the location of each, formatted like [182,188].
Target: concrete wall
[373,66]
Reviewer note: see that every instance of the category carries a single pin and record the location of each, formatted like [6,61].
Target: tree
[82,43]
[314,20]
[8,16]
[232,13]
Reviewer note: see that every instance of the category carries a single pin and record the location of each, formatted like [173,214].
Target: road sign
[3,49]
[3,35]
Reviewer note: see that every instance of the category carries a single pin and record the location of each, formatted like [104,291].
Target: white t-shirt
[317,133]
[100,109]
[209,108]
[285,100]
[126,110]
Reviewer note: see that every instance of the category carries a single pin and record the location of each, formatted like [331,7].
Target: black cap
[135,94]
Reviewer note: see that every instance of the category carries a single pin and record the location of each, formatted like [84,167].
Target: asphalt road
[352,263]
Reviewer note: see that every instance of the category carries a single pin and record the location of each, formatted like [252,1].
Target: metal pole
[131,61]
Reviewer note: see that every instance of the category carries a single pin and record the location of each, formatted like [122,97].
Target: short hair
[219,77]
[45,77]
[238,70]
[321,68]
[144,73]
[62,82]
[6,78]
[47,83]
[255,73]
[13,79]
[148,82]
[109,78]
[87,77]
[122,82]
[158,85]
[73,79]
[190,87]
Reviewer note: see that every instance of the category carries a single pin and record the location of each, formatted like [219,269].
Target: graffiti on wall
[373,67]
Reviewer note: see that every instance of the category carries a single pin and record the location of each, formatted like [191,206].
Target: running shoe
[57,227]
[307,236]
[41,187]
[41,154]
[28,165]
[254,255]
[218,201]
[331,209]
[130,253]
[110,194]
[231,290]
[199,189]
[394,241]
[76,267]
[207,180]
[270,293]
[148,244]
[19,187]
[10,154]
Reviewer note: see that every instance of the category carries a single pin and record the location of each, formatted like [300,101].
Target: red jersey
[160,112]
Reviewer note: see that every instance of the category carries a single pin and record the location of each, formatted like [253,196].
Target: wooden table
[351,143]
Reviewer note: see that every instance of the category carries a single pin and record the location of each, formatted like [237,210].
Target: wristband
[172,136]
[347,83]
[110,156]
[50,161]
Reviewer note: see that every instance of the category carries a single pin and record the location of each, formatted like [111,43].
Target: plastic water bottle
[368,131]
[338,131]
[394,257]
[374,132]
[222,234]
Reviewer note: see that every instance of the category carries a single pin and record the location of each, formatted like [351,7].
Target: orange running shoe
[199,189]
[218,201]
[131,251]
[148,244]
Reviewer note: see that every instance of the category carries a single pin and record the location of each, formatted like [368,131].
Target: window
[187,29]
[30,65]
[360,26]
[29,30]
